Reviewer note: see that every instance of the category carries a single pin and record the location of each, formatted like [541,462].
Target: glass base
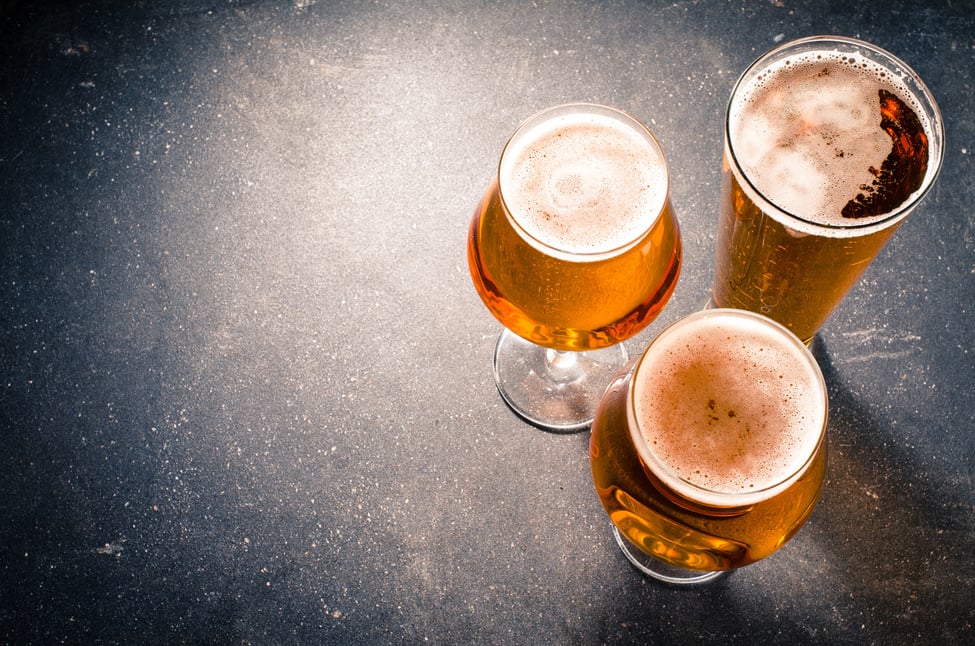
[711,305]
[554,390]
[654,567]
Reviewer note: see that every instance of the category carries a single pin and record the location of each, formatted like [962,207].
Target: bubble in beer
[830,138]
[584,183]
[727,405]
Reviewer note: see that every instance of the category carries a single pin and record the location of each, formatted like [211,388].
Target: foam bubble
[584,183]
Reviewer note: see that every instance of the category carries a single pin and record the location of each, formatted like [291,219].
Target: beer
[575,245]
[708,453]
[829,144]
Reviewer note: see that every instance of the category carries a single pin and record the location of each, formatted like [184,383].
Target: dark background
[245,381]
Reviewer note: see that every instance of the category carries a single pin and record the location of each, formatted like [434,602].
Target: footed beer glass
[708,452]
[574,248]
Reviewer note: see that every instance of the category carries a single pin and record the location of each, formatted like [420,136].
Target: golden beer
[708,453]
[575,245]
[830,143]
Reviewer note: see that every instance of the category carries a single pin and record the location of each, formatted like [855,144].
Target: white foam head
[583,179]
[728,407]
[806,131]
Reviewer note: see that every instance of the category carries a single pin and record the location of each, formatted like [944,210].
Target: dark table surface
[245,381]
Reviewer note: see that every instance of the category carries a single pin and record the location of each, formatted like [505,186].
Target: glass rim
[899,69]
[712,498]
[587,108]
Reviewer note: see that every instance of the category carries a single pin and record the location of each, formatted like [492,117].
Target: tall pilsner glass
[574,248]
[708,453]
[830,143]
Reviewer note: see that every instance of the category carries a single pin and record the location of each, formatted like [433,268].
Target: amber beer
[829,144]
[575,246]
[708,453]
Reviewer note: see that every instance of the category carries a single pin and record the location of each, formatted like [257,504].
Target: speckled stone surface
[245,381]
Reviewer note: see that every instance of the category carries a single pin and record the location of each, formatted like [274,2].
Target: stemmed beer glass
[574,248]
[709,452]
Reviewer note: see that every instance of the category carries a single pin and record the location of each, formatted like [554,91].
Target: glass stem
[562,365]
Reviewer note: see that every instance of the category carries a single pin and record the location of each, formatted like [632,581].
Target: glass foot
[660,570]
[556,391]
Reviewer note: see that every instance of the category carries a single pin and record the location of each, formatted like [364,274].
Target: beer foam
[584,182]
[807,132]
[727,404]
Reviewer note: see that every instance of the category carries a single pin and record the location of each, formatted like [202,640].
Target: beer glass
[574,248]
[708,452]
[830,143]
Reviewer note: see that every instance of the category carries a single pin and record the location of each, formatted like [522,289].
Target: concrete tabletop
[246,392]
